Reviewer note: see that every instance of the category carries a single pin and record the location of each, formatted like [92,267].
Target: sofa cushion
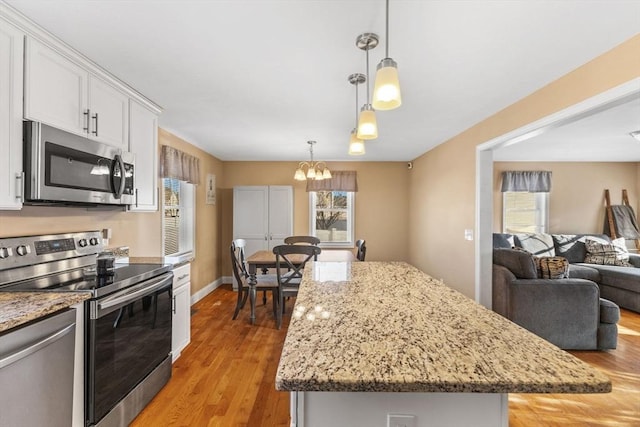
[537,244]
[609,311]
[614,253]
[503,240]
[571,246]
[519,262]
[582,271]
[619,277]
[552,267]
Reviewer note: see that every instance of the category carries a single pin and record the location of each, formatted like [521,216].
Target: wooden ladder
[612,226]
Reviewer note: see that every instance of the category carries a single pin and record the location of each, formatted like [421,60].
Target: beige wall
[380,211]
[576,201]
[442,183]
[205,268]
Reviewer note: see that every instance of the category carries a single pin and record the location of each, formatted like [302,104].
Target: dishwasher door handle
[29,350]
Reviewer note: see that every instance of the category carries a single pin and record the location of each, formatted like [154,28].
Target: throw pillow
[519,262]
[537,244]
[606,253]
[503,240]
[571,246]
[555,267]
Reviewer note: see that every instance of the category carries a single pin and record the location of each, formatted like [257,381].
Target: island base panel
[320,409]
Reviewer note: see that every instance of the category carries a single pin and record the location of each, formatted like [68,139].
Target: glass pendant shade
[386,91]
[326,174]
[367,124]
[356,146]
[299,176]
[311,173]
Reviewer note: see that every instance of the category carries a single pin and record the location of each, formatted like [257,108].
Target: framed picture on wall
[211,189]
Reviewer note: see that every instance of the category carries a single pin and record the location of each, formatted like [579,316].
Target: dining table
[266,259]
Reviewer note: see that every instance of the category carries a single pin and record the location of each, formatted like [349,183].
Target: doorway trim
[484,171]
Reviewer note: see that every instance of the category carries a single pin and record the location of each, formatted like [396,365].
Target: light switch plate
[401,420]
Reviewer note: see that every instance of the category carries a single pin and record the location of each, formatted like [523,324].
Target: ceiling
[256,79]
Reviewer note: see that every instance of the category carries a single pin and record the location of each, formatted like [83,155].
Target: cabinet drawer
[181,275]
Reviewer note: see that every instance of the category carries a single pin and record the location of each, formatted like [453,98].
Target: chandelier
[315,170]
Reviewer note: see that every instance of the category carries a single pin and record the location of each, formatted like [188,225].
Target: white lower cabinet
[181,320]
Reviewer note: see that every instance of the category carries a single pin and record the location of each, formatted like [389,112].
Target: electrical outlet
[401,420]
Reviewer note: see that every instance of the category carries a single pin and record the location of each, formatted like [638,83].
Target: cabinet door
[181,321]
[109,110]
[280,214]
[11,52]
[250,217]
[143,142]
[55,89]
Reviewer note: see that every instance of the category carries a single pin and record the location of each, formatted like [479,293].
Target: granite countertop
[389,327]
[17,308]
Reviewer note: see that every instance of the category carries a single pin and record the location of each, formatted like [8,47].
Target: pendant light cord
[386,46]
[368,101]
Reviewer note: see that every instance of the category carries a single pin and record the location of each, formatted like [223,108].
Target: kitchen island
[369,339]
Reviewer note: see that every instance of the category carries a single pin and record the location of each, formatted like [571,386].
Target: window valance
[526,181]
[179,165]
[339,181]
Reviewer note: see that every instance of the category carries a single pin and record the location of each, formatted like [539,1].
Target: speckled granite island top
[389,327]
[17,308]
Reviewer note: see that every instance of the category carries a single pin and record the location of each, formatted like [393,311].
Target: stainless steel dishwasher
[36,373]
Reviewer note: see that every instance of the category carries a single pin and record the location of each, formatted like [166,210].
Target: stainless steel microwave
[63,168]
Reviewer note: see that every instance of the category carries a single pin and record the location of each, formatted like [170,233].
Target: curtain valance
[339,181]
[526,181]
[179,165]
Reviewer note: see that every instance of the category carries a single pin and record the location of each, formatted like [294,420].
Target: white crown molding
[33,30]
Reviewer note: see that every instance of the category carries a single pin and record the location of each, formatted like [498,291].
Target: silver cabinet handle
[27,351]
[136,197]
[265,237]
[173,305]
[20,186]
[183,276]
[87,114]
[95,131]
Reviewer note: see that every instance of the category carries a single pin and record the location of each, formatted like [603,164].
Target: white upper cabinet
[143,142]
[11,50]
[61,93]
[55,89]
[108,114]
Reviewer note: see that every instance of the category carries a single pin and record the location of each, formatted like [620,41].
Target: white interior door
[250,217]
[280,214]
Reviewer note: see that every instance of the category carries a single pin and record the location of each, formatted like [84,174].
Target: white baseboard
[207,290]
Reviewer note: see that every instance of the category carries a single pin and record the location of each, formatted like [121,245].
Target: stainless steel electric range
[127,318]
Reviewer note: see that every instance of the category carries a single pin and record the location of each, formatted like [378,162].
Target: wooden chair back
[309,240]
[288,269]
[362,250]
[238,263]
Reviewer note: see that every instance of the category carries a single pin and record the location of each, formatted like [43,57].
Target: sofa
[616,283]
[571,312]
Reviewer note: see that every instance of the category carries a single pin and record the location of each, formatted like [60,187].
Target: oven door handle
[121,299]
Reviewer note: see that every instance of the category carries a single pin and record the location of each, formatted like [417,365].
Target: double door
[262,215]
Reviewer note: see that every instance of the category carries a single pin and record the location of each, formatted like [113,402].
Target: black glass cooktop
[86,279]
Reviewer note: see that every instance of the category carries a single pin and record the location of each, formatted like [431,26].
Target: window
[178,217]
[331,214]
[524,212]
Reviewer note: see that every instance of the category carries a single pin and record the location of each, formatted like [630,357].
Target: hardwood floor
[225,377]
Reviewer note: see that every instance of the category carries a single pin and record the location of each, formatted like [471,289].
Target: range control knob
[93,241]
[23,250]
[5,253]
[82,243]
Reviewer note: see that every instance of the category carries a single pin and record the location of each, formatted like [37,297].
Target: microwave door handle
[118,192]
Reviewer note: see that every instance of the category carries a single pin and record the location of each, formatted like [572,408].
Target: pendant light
[367,125]
[386,91]
[315,170]
[356,145]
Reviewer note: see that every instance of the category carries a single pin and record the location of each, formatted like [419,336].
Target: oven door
[62,167]
[129,334]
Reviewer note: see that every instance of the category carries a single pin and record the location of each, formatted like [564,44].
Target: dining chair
[290,261]
[362,250]
[310,240]
[241,274]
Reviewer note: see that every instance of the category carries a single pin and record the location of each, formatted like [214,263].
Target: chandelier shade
[314,170]
[356,145]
